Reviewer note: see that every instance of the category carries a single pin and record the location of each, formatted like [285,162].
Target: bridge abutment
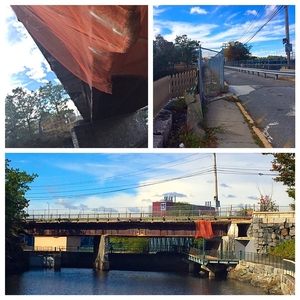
[101,261]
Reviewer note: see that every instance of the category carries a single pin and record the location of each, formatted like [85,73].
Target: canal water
[74,281]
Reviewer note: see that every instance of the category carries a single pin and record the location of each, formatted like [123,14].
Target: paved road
[270,103]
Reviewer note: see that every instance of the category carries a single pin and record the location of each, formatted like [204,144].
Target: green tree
[284,164]
[163,57]
[237,51]
[42,107]
[27,114]
[187,48]
[20,108]
[16,186]
[131,244]
[13,122]
[58,102]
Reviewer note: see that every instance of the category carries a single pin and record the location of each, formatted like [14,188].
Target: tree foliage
[130,244]
[163,57]
[16,186]
[167,54]
[284,164]
[187,48]
[237,51]
[30,113]
[267,204]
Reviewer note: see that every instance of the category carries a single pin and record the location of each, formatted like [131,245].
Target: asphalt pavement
[269,102]
[232,125]
[235,127]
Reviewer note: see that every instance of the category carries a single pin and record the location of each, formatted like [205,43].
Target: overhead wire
[272,15]
[122,187]
[253,21]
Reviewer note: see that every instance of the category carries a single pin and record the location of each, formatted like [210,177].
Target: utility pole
[288,46]
[216,186]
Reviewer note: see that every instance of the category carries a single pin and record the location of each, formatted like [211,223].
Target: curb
[255,129]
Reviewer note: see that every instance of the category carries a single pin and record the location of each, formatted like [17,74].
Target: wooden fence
[166,88]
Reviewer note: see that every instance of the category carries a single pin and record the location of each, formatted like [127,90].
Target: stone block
[161,127]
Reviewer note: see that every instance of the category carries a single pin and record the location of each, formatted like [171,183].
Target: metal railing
[267,259]
[199,254]
[267,64]
[140,213]
[270,73]
[58,248]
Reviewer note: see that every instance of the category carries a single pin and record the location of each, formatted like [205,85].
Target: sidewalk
[228,119]
[232,125]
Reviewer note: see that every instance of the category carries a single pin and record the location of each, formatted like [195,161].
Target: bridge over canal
[211,228]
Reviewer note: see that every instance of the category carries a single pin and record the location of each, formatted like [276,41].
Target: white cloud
[251,12]
[198,11]
[157,11]
[22,55]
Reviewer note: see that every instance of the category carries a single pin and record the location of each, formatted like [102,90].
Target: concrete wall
[50,243]
[147,262]
[55,243]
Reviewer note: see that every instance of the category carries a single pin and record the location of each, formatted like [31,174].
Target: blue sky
[218,24]
[24,64]
[91,181]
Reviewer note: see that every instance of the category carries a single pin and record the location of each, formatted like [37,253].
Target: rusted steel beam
[155,229]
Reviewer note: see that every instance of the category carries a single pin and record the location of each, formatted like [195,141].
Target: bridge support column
[102,262]
[57,261]
[211,273]
[215,270]
[192,265]
[125,131]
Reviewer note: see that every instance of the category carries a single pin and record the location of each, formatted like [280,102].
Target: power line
[118,188]
[273,14]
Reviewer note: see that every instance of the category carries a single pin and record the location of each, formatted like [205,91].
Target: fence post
[200,65]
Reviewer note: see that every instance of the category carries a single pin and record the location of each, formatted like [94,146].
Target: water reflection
[69,281]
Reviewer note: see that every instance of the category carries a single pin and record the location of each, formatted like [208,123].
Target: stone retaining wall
[271,279]
[271,230]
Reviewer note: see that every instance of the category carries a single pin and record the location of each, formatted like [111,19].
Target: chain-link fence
[214,61]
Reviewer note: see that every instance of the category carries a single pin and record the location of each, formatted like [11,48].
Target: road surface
[270,103]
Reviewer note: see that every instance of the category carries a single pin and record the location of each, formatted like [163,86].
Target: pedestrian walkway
[227,118]
[232,125]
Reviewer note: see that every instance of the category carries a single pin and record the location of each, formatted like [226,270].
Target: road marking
[291,113]
[266,133]
[241,89]
[261,119]
[288,144]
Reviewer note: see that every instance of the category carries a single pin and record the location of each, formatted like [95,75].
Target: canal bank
[271,279]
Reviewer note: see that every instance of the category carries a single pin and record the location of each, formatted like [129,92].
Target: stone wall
[271,279]
[269,230]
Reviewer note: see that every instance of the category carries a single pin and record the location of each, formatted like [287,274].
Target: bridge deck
[208,259]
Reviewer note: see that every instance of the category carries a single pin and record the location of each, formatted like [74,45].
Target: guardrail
[262,71]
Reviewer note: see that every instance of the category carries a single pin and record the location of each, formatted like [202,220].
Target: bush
[285,249]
